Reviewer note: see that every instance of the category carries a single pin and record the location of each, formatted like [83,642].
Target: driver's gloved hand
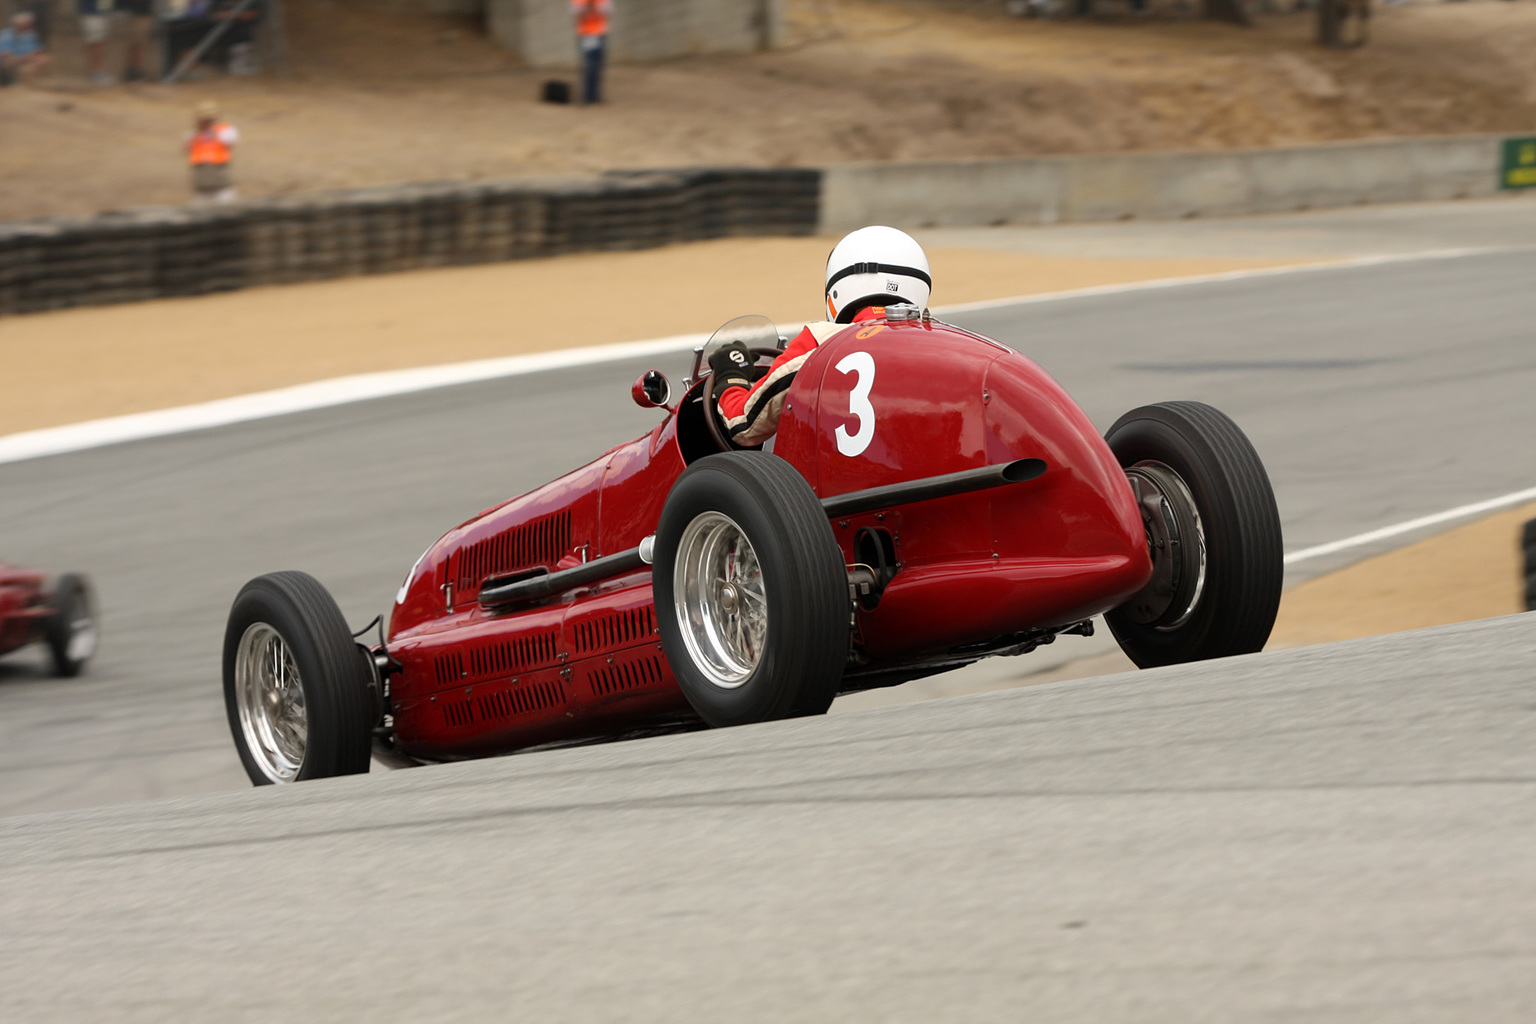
[732,366]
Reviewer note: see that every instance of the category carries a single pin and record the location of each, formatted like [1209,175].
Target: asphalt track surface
[1334,833]
[1339,833]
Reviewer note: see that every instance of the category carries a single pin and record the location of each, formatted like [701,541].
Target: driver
[869,269]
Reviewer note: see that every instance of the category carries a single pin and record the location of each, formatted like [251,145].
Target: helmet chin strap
[878,268]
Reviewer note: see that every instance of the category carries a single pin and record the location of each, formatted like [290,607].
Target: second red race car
[57,614]
[931,498]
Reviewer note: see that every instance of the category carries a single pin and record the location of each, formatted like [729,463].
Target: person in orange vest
[209,150]
[592,38]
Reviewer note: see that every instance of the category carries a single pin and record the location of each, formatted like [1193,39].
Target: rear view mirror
[652,390]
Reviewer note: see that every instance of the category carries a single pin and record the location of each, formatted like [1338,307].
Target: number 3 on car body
[862,365]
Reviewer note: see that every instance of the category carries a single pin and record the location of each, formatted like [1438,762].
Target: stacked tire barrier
[161,252]
[1528,542]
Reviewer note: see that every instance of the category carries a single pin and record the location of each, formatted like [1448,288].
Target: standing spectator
[21,52]
[209,150]
[592,37]
[95,24]
[141,35]
[41,18]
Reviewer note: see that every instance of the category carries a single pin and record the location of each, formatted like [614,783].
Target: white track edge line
[1387,532]
[1345,263]
[321,394]
[318,394]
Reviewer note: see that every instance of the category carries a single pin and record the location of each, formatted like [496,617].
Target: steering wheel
[712,411]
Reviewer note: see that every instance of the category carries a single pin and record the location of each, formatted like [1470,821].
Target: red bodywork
[974,569]
[24,607]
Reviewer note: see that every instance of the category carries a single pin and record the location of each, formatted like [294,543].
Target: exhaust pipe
[536,586]
[875,498]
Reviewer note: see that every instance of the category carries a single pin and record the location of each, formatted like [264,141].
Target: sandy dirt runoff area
[80,364]
[379,99]
[1471,572]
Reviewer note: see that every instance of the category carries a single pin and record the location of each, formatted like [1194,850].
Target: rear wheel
[751,591]
[1213,531]
[296,687]
[71,629]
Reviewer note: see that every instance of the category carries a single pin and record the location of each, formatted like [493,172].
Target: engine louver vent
[619,629]
[450,668]
[541,541]
[458,713]
[631,676]
[509,656]
[521,701]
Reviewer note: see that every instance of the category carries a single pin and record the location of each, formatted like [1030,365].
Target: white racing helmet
[875,266]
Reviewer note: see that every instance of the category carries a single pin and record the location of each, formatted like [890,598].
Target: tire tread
[339,704]
[1249,595]
[808,671]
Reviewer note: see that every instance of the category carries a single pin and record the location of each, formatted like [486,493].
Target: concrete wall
[542,32]
[1044,190]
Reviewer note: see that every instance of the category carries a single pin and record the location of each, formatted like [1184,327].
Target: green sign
[1519,164]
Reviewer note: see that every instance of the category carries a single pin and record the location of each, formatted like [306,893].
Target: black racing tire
[71,630]
[797,665]
[339,708]
[1528,546]
[1232,609]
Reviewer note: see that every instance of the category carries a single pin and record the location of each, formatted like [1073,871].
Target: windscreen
[753,331]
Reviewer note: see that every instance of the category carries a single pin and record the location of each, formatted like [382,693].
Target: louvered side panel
[490,717]
[449,668]
[613,628]
[488,705]
[636,681]
[531,698]
[539,542]
[505,657]
[628,674]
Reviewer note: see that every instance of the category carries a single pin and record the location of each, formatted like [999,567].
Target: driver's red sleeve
[752,414]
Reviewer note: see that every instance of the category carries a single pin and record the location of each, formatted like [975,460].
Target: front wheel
[1213,531]
[751,591]
[296,687]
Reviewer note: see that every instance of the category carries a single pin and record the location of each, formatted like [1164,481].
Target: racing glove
[732,366]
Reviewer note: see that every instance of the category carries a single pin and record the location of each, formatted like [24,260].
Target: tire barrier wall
[160,252]
[1160,186]
[1528,542]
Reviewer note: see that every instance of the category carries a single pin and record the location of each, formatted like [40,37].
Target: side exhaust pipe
[536,586]
[876,498]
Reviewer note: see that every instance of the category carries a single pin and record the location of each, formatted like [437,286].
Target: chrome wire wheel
[270,697]
[720,601]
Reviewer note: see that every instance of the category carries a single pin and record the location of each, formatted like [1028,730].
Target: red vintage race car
[60,615]
[931,498]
